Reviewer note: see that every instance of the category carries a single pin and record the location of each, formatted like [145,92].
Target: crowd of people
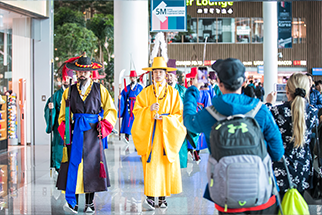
[170,123]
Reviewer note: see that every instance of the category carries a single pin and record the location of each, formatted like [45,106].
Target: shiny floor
[28,187]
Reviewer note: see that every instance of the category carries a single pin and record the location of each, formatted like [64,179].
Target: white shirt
[84,87]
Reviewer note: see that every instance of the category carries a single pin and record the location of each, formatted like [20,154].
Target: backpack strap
[218,116]
[252,113]
[213,112]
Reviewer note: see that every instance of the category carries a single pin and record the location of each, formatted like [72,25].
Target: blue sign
[316,71]
[284,18]
[168,15]
[260,69]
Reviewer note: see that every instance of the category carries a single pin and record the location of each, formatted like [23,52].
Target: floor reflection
[27,187]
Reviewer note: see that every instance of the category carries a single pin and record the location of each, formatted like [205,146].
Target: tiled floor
[28,187]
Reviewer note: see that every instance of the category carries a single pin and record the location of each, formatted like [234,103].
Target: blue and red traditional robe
[203,102]
[126,105]
[211,92]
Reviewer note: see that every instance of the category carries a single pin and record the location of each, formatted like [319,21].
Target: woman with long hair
[296,119]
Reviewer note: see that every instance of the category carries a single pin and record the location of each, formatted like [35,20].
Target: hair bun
[300,92]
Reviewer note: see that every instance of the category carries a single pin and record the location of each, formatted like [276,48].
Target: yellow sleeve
[110,113]
[142,124]
[63,106]
[174,131]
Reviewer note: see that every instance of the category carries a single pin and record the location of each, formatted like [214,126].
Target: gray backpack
[239,168]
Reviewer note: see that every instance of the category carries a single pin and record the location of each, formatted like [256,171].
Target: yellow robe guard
[162,176]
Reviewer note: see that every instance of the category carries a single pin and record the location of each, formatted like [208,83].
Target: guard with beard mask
[126,104]
[94,116]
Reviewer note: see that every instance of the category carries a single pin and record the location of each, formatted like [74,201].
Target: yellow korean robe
[162,176]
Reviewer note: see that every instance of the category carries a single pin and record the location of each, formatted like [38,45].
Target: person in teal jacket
[214,84]
[57,142]
[231,75]
[172,81]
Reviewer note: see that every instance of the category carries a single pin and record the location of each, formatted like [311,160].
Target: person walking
[158,133]
[259,91]
[87,170]
[296,119]
[231,76]
[315,96]
[127,101]
[53,104]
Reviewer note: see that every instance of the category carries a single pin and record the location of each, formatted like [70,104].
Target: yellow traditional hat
[159,63]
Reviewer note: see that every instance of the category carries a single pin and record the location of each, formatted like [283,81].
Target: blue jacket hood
[231,104]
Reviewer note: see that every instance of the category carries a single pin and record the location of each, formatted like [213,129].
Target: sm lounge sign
[211,7]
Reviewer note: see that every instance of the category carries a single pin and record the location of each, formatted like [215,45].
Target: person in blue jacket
[315,96]
[126,104]
[231,76]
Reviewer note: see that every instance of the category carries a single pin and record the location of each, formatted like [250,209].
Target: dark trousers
[269,211]
[89,197]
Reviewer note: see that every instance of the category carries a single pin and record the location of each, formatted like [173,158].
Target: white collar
[85,86]
[133,86]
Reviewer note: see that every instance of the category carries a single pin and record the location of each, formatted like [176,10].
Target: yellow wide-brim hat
[159,63]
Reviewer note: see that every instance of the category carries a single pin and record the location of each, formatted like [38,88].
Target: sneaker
[115,132]
[68,208]
[162,203]
[190,158]
[126,140]
[149,204]
[89,208]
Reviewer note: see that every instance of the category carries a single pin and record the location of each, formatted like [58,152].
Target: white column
[270,45]
[130,37]
[21,67]
[43,53]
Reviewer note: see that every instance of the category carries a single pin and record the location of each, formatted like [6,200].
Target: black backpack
[239,170]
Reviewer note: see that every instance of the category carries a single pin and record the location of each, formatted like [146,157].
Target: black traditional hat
[84,64]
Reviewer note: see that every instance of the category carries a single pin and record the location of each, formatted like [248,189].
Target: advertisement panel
[168,15]
[284,17]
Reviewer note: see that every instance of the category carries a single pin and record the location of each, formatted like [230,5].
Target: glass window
[299,30]
[242,30]
[191,37]
[257,30]
[173,37]
[295,30]
[226,30]
[5,60]
[207,28]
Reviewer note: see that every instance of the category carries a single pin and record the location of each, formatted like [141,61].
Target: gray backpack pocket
[238,181]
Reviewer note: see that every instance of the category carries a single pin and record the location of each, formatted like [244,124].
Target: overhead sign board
[168,15]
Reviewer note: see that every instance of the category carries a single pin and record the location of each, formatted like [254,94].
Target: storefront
[25,53]
[235,29]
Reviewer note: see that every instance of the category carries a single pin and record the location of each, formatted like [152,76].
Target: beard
[66,86]
[132,83]
[170,83]
[82,81]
